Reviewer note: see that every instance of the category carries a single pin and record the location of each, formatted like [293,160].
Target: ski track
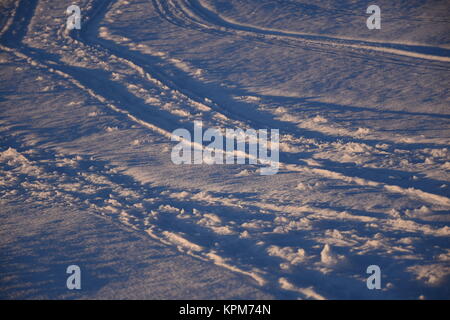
[428,197]
[194,15]
[193,12]
[197,13]
[124,218]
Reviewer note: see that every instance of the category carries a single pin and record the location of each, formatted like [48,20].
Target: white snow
[86,119]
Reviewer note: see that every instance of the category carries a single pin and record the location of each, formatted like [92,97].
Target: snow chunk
[294,257]
[308,292]
[181,242]
[432,275]
[329,258]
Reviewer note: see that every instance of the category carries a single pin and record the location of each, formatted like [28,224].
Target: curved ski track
[193,13]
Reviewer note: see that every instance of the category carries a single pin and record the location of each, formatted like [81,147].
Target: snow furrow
[287,239]
[165,129]
[200,10]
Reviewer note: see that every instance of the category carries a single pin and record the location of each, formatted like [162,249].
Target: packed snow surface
[86,176]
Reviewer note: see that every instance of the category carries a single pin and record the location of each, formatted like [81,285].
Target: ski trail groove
[411,192]
[167,236]
[195,8]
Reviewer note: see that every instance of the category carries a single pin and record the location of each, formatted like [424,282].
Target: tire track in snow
[176,14]
[104,100]
[137,117]
[164,236]
[197,10]
[329,174]
[121,211]
[202,15]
